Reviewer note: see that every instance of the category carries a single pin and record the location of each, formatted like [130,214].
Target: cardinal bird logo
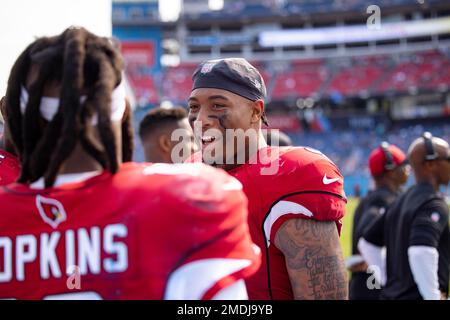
[51,211]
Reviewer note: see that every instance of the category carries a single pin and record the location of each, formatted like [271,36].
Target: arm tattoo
[313,258]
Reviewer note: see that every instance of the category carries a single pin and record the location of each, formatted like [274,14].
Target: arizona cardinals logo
[51,210]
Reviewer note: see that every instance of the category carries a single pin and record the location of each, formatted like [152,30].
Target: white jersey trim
[193,280]
[66,178]
[280,209]
[192,169]
[235,291]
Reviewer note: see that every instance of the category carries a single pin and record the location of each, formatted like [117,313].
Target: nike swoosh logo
[328,181]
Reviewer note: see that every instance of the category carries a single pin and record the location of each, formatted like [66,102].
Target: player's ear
[257,110]
[389,175]
[430,166]
[164,142]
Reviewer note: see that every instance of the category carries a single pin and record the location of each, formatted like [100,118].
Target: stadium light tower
[215,5]
[169,11]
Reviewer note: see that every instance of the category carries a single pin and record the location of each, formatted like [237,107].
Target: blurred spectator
[415,230]
[349,149]
[389,170]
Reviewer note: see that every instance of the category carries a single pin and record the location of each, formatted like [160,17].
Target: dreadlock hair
[80,62]
[127,134]
[2,129]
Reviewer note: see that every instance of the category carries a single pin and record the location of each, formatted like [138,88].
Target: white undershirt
[65,179]
[424,263]
[375,258]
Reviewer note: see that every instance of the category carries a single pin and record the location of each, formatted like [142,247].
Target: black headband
[236,75]
[389,163]
[431,154]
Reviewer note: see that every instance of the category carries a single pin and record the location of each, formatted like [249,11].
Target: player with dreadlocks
[10,166]
[127,134]
[79,221]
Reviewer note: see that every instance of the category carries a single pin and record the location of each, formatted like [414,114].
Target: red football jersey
[147,232]
[9,168]
[280,184]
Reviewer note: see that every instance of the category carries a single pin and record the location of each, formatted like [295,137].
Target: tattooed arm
[314,259]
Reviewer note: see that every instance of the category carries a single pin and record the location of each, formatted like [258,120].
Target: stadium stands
[300,79]
[256,8]
[350,149]
[359,76]
[144,89]
[356,77]
[177,83]
[420,71]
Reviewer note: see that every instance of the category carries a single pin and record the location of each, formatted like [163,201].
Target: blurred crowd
[350,149]
[302,7]
[332,78]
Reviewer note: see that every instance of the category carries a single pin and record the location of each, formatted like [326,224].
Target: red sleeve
[311,187]
[214,232]
[314,206]
[9,168]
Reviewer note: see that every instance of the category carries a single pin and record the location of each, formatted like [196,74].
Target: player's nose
[203,119]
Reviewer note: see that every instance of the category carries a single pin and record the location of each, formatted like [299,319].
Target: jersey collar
[63,179]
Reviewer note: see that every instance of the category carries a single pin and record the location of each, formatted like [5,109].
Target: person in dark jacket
[415,230]
[389,169]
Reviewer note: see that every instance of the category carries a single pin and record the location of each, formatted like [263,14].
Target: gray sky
[23,20]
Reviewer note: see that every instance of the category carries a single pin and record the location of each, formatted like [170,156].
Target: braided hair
[80,62]
[127,134]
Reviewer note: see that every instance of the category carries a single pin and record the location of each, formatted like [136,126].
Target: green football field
[346,236]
